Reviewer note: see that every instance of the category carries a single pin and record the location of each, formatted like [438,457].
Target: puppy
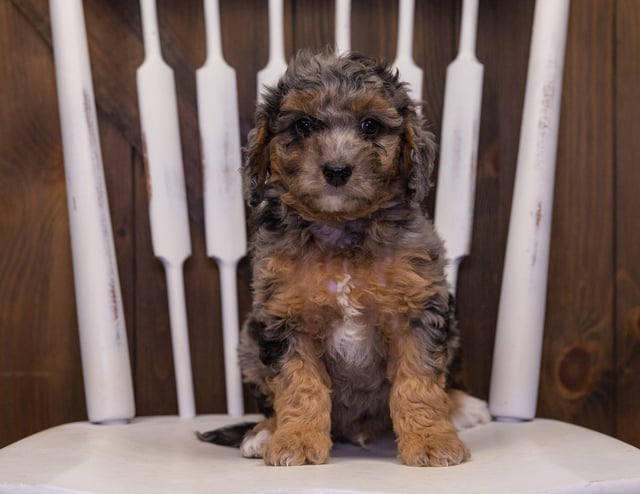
[351,332]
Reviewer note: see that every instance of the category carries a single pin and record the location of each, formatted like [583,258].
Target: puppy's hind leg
[467,411]
[231,435]
[255,441]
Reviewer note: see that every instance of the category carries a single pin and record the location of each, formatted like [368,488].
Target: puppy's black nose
[336,175]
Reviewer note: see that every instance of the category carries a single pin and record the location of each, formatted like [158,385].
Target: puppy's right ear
[256,167]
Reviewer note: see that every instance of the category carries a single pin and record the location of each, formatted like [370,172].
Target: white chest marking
[351,339]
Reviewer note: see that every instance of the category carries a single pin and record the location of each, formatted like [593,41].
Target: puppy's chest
[317,290]
[356,290]
[352,337]
[321,290]
[354,305]
[358,302]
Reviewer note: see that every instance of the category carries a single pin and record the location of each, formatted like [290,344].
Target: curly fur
[351,332]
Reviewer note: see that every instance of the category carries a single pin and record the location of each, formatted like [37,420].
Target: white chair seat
[162,455]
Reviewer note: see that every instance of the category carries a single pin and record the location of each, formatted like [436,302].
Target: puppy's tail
[231,435]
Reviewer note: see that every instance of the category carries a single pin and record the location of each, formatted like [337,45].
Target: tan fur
[303,286]
[302,408]
[420,410]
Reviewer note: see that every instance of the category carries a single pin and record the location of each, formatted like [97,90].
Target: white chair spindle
[103,337]
[223,203]
[404,62]
[343,26]
[168,214]
[520,326]
[455,194]
[276,65]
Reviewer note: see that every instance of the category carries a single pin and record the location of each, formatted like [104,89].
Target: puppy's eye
[370,127]
[303,126]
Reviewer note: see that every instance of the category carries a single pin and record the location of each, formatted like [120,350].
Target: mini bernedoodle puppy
[351,332]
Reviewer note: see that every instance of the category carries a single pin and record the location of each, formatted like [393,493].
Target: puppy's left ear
[418,156]
[256,166]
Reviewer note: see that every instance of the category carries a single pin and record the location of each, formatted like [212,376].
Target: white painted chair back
[513,391]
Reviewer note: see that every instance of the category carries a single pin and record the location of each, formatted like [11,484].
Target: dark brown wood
[627,225]
[313,24]
[40,377]
[577,381]
[592,344]
[374,28]
[505,67]
[246,48]
[434,47]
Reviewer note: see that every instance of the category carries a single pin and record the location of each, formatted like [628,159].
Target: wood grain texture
[505,67]
[40,377]
[627,222]
[245,41]
[312,24]
[374,28]
[435,45]
[591,366]
[577,381]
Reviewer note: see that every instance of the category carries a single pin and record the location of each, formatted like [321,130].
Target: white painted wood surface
[161,455]
[101,323]
[343,26]
[225,228]
[167,192]
[455,194]
[231,330]
[404,62]
[276,65]
[520,326]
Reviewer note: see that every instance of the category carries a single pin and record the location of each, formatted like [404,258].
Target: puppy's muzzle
[337,175]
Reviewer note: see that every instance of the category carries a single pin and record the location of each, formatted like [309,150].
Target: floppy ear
[418,156]
[256,166]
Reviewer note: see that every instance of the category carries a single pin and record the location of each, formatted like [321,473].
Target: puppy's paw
[289,448]
[253,445]
[434,450]
[467,411]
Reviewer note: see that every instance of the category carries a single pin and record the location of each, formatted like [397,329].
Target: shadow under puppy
[351,332]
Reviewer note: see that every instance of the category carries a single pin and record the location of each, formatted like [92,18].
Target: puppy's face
[338,138]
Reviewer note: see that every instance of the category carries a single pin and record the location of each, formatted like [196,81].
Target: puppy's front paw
[295,448]
[434,450]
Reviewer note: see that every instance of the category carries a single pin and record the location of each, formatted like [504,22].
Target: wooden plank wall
[591,366]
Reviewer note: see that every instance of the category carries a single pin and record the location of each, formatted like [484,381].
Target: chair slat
[343,25]
[520,326]
[167,192]
[224,216]
[101,323]
[455,194]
